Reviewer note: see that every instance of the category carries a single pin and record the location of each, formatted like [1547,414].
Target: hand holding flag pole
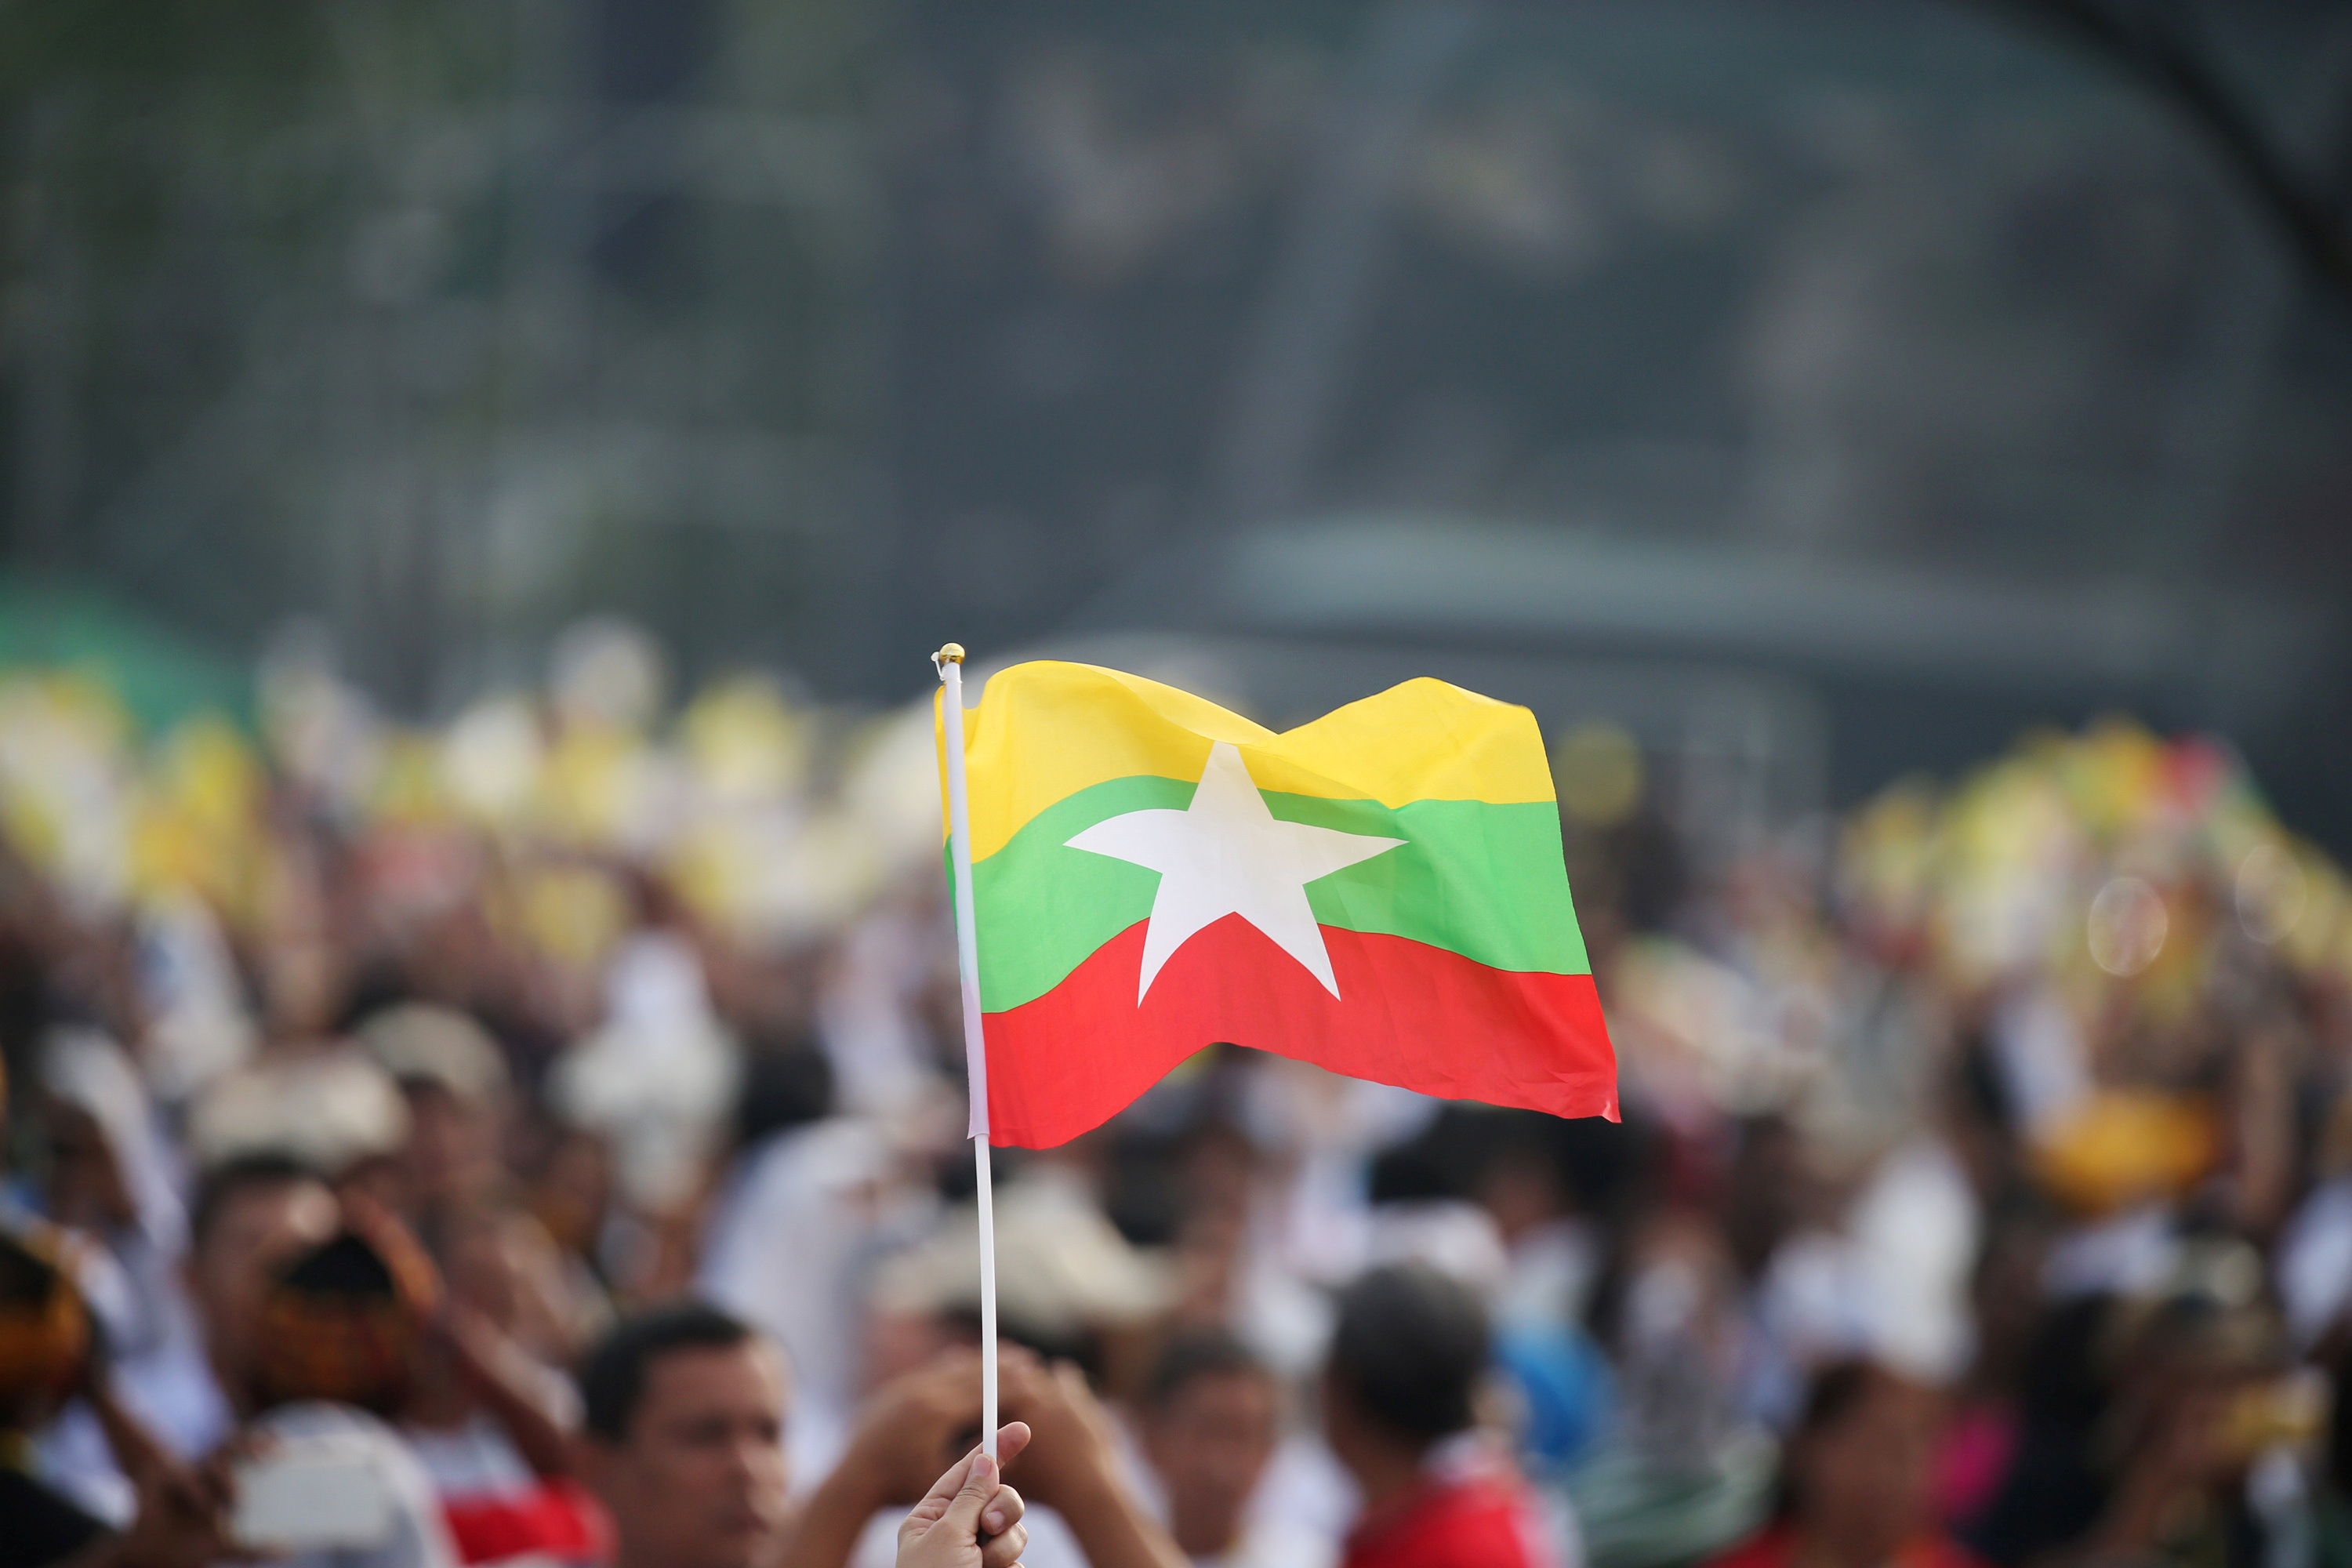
[948,661]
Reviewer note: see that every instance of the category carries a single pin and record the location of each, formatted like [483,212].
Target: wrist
[1091,1491]
[853,1490]
[1111,1526]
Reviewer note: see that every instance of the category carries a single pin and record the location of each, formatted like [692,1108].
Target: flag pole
[948,661]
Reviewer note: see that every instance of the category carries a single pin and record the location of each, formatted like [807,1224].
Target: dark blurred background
[1837,383]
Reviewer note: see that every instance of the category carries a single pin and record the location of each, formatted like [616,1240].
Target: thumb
[963,1509]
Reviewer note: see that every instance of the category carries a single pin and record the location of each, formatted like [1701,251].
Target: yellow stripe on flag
[1047,729]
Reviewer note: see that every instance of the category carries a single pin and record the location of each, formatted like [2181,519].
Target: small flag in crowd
[1380,893]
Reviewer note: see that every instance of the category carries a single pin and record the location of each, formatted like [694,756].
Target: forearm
[137,1451]
[1113,1532]
[489,1364]
[833,1520]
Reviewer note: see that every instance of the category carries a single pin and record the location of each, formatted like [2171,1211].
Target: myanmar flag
[1380,893]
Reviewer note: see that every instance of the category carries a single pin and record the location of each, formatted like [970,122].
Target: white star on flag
[1227,854]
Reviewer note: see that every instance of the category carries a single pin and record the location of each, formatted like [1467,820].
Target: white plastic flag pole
[948,661]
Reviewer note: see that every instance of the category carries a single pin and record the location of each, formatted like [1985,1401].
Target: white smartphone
[313,1494]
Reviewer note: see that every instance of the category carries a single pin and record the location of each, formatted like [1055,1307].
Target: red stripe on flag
[1407,1013]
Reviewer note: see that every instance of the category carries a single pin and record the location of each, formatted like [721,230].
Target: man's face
[453,1147]
[1210,1444]
[699,1479]
[254,1229]
[1864,1481]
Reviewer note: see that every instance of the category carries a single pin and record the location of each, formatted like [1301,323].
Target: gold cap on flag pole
[950,654]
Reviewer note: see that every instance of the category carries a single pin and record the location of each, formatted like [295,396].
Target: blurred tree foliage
[261,47]
[427,316]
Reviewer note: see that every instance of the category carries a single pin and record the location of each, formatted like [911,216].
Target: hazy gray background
[1837,382]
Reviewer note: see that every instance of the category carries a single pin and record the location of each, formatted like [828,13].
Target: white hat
[328,1107]
[1060,1264]
[416,1040]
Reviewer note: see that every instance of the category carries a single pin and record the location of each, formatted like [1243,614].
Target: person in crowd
[454,1082]
[1400,1383]
[321,1314]
[792,1223]
[1980,1444]
[108,1179]
[489,1417]
[2202,1430]
[2166,1425]
[2101,972]
[250,1215]
[1856,1486]
[2052,1487]
[1540,1188]
[683,1411]
[565,1179]
[45,1338]
[1067,1458]
[48,1355]
[107,1187]
[906,1430]
[1212,1416]
[331,1354]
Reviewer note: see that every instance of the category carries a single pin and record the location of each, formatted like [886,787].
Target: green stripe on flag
[1480,880]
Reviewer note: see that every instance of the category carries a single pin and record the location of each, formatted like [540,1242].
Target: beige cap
[1060,1264]
[438,1045]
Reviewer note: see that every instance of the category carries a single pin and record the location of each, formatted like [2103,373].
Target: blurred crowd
[480,1098]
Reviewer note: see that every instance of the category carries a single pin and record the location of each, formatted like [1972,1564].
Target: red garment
[556,1519]
[1476,1518]
[1775,1546]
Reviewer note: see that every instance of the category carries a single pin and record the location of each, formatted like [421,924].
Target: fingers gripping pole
[948,661]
